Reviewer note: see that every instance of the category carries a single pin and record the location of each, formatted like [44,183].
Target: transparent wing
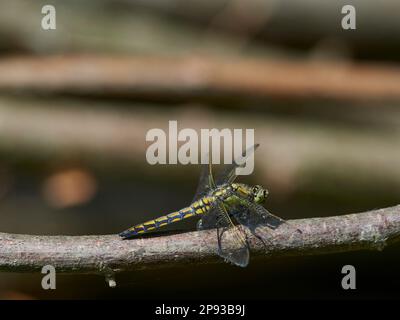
[232,244]
[253,216]
[202,187]
[228,174]
[206,181]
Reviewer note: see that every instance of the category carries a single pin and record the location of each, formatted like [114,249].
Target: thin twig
[108,253]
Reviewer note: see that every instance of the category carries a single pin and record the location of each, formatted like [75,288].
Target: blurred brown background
[76,103]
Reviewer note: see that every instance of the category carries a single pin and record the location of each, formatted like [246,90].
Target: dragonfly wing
[228,175]
[206,181]
[253,216]
[232,244]
[202,187]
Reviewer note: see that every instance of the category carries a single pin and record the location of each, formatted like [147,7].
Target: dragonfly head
[259,194]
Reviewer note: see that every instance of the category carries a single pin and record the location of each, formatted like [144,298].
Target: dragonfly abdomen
[198,207]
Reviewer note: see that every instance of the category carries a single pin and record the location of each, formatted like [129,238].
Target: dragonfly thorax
[230,193]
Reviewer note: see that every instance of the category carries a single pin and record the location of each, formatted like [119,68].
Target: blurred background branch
[293,153]
[199,78]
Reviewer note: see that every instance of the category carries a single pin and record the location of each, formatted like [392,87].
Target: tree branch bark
[107,254]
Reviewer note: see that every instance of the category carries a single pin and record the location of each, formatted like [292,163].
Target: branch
[108,253]
[199,78]
[293,154]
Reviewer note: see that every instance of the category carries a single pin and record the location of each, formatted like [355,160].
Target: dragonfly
[226,206]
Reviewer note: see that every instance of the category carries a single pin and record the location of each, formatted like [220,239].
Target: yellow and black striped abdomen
[199,207]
